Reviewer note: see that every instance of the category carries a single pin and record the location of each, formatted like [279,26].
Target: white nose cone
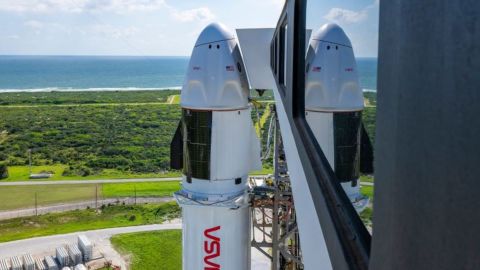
[216,77]
[332,33]
[214,32]
[332,77]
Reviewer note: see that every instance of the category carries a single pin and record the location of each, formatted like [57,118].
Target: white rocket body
[333,105]
[220,149]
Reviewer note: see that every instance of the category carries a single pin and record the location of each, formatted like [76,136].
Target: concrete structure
[62,257]
[80,267]
[16,263]
[28,262]
[85,247]
[4,265]
[427,145]
[51,263]
[76,256]
[40,264]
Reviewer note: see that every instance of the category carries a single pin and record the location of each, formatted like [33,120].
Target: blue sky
[159,27]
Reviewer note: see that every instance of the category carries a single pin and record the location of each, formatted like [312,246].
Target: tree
[3,171]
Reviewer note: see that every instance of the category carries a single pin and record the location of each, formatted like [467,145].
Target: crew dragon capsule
[219,146]
[333,108]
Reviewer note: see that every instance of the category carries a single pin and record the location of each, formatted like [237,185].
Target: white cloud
[13,37]
[202,14]
[346,16]
[120,6]
[278,3]
[110,31]
[34,24]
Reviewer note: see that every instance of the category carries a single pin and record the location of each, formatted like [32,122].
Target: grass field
[82,220]
[22,173]
[366,178]
[160,250]
[367,191]
[16,197]
[366,214]
[174,99]
[147,189]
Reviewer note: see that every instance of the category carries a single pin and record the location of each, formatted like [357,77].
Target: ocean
[104,73]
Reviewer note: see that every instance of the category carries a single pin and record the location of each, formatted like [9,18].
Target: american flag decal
[349,69]
[316,69]
[230,68]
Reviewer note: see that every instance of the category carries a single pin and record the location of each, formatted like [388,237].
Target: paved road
[27,212]
[42,246]
[100,181]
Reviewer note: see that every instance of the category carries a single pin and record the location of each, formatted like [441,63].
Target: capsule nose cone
[333,33]
[214,32]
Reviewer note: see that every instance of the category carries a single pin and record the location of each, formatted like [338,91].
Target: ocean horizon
[32,73]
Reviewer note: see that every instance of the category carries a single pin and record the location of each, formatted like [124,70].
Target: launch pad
[273,212]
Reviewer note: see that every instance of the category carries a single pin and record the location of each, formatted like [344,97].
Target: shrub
[3,171]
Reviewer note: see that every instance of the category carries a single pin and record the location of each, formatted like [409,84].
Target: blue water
[80,73]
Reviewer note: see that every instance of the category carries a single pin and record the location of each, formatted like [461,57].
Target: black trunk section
[197,133]
[176,149]
[346,127]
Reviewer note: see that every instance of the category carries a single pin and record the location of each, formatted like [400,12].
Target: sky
[160,27]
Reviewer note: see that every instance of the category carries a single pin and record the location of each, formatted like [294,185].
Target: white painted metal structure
[216,217]
[332,86]
[314,251]
[215,78]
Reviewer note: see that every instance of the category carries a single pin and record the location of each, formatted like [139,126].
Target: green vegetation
[366,215]
[15,197]
[151,250]
[90,97]
[174,99]
[22,173]
[367,191]
[366,178]
[371,98]
[72,140]
[3,170]
[82,220]
[265,112]
[368,116]
[146,189]
[130,139]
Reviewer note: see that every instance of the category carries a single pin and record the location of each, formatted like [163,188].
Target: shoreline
[93,89]
[105,89]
